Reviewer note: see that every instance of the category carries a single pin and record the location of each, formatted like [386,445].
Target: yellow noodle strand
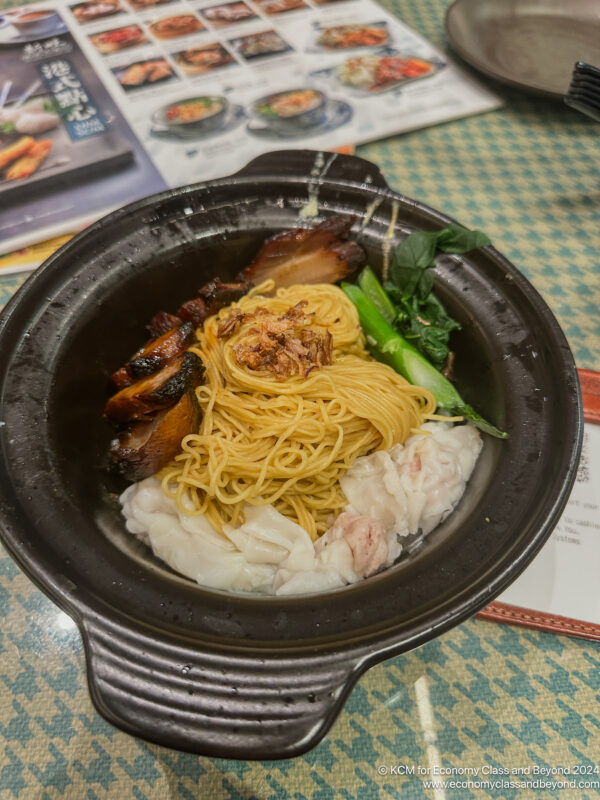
[265,439]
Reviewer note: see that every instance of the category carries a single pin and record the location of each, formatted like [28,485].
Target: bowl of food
[384,71]
[228,14]
[291,110]
[116,39]
[193,115]
[199,60]
[34,21]
[348,37]
[183,496]
[92,10]
[178,25]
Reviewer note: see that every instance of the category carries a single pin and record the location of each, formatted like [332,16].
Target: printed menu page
[104,101]
[211,85]
[563,578]
[67,153]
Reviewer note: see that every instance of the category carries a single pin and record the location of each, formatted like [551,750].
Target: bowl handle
[230,705]
[314,166]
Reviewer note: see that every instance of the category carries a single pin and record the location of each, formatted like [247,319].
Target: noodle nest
[287,441]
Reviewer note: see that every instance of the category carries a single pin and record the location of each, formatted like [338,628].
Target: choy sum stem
[368,282]
[392,348]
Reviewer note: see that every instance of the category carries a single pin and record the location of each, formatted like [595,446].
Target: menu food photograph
[67,153]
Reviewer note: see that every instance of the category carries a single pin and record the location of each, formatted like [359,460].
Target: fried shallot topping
[291,344]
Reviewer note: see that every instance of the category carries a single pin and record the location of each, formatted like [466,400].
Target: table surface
[484,696]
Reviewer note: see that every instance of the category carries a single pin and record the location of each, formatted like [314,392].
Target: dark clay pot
[236,675]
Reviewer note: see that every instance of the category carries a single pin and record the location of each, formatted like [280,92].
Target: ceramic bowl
[237,675]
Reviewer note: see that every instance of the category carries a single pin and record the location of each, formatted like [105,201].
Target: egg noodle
[287,441]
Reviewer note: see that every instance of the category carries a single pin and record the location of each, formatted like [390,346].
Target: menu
[105,101]
[559,591]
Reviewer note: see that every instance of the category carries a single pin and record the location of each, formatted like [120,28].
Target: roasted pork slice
[307,255]
[157,391]
[146,447]
[121,378]
[159,352]
[212,297]
[155,355]
[217,294]
[163,322]
[194,311]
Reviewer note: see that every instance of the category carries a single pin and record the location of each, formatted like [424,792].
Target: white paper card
[564,578]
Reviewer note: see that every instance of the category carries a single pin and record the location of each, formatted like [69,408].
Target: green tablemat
[483,696]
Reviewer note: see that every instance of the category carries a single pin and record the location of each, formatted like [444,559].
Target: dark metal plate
[529,44]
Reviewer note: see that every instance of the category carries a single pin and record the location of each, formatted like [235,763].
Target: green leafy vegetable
[420,316]
[425,323]
[456,239]
[392,348]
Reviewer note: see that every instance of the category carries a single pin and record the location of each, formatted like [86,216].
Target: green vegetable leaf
[407,326]
[421,318]
[416,252]
[425,323]
[456,239]
[432,342]
[427,326]
[425,284]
